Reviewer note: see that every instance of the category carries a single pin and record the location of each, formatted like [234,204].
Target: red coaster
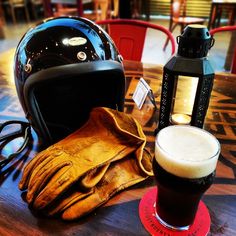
[200,226]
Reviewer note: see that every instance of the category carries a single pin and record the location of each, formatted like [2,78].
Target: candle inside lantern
[180,119]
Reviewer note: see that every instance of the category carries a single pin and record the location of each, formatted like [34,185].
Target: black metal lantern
[187,80]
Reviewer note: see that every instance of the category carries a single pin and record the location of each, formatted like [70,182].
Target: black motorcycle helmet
[63,68]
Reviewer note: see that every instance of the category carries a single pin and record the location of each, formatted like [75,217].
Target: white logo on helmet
[75,41]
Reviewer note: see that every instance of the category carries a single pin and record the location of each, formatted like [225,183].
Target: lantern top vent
[195,41]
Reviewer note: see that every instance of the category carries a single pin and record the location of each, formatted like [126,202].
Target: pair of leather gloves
[81,172]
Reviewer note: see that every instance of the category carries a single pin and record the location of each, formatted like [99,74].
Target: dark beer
[178,197]
[184,168]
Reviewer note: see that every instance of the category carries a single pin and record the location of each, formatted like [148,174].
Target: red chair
[178,16]
[129,36]
[230,60]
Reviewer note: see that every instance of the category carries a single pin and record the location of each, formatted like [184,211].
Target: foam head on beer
[187,151]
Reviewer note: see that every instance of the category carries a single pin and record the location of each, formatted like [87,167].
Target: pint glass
[184,167]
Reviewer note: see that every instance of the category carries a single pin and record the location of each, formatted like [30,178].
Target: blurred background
[17,16]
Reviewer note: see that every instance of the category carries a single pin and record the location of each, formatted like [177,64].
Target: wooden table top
[120,215]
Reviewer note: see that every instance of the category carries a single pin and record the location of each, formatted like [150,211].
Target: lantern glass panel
[183,99]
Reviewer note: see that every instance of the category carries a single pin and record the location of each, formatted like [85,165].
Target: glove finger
[119,176]
[39,181]
[126,124]
[93,177]
[53,158]
[39,170]
[118,125]
[66,201]
[58,184]
[86,182]
[23,184]
[144,159]
[82,207]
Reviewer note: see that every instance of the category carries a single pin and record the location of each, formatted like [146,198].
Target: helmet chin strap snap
[81,56]
[28,68]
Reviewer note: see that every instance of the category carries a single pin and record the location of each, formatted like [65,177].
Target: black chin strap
[24,131]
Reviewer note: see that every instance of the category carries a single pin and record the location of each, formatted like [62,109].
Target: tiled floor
[153,52]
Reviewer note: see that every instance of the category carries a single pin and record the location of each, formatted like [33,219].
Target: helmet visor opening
[65,105]
[64,101]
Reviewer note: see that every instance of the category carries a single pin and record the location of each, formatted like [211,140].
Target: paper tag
[141,93]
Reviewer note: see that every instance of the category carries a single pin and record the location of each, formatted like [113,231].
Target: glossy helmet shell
[63,68]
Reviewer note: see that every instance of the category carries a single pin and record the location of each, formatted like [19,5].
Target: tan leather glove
[108,136]
[120,175]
